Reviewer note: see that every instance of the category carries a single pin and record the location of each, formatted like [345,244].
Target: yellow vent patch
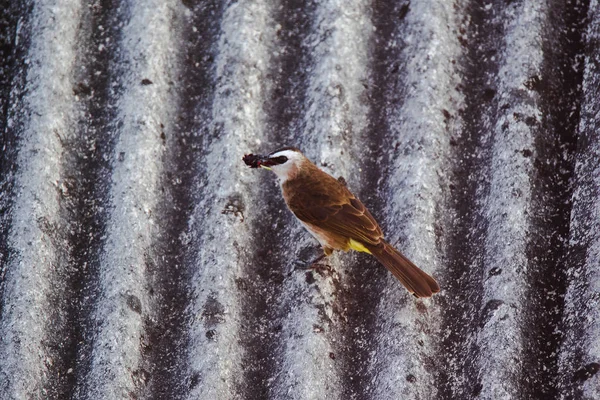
[358,246]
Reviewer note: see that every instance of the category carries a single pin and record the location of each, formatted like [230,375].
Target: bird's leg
[316,263]
[323,268]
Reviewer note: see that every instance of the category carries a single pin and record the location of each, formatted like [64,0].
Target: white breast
[320,235]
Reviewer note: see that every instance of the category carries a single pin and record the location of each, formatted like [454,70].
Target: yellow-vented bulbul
[335,217]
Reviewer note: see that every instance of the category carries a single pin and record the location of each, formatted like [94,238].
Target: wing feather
[332,207]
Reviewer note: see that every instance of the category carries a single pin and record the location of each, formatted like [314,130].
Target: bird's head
[284,162]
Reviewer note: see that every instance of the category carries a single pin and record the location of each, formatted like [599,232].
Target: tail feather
[412,277]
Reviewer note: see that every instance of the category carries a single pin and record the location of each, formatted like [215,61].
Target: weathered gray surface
[139,257]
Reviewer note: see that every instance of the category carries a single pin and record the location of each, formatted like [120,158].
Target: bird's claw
[313,265]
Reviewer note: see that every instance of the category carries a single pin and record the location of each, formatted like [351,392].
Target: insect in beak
[257,161]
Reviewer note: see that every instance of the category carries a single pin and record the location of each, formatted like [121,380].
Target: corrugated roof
[140,257]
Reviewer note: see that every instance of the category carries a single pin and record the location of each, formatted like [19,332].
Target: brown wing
[328,204]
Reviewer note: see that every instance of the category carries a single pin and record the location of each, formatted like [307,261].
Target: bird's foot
[310,252]
[317,261]
[312,265]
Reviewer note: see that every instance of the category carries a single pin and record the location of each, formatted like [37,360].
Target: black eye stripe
[279,160]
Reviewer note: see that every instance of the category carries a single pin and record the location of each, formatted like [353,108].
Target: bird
[336,217]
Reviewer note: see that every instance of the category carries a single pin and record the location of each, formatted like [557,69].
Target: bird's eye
[280,160]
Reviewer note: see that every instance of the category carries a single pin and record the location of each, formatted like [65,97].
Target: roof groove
[479,34]
[170,276]
[554,149]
